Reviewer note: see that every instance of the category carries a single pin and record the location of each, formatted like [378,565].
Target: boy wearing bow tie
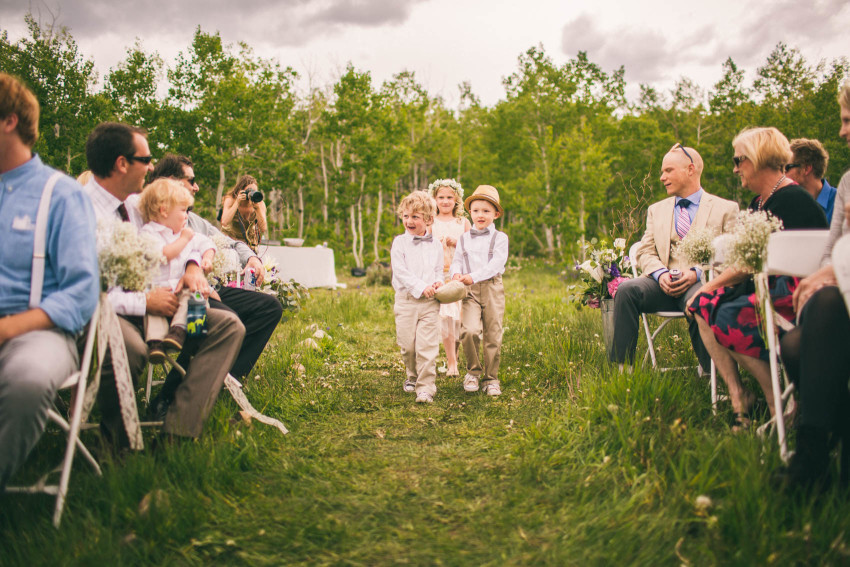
[479,262]
[417,266]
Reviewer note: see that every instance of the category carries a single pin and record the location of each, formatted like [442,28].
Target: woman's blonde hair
[163,192]
[419,202]
[766,148]
[844,95]
[456,188]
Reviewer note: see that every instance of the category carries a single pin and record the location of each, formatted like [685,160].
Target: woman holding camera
[243,215]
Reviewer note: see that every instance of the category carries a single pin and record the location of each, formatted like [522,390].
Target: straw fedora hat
[485,193]
[450,292]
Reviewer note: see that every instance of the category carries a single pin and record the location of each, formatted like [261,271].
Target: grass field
[575,464]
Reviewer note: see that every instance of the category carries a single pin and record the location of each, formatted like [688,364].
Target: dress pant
[32,367]
[481,317]
[644,295]
[259,312]
[817,359]
[417,323]
[196,394]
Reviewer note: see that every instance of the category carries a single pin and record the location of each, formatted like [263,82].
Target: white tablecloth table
[311,267]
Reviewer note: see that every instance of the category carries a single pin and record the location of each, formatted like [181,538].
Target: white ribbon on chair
[109,334]
[235,388]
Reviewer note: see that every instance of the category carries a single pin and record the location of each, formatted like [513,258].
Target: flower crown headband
[432,188]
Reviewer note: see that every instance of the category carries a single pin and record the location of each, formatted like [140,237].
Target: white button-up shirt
[105,206]
[415,266]
[477,250]
[169,274]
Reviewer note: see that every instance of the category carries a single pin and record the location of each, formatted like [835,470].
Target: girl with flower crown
[449,224]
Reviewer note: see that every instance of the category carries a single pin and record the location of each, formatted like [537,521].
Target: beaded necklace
[772,191]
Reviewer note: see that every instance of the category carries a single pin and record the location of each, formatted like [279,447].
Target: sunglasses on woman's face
[738,160]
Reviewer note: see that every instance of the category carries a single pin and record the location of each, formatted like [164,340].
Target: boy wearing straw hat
[479,262]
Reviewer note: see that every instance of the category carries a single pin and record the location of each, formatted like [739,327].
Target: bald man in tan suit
[667,223]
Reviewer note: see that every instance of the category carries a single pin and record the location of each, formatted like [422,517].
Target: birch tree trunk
[300,211]
[360,221]
[325,182]
[220,189]
[378,222]
[357,261]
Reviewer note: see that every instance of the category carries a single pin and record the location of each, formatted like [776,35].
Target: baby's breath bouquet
[225,263]
[748,246]
[602,273]
[127,258]
[697,245]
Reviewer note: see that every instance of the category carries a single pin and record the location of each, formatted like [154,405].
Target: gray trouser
[644,295]
[32,367]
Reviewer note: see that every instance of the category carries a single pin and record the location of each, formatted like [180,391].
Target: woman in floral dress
[725,308]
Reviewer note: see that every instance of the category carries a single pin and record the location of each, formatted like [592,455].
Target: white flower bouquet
[290,294]
[697,246]
[127,258]
[748,246]
[602,273]
[225,263]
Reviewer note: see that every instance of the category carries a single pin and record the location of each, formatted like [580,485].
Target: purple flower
[593,302]
[614,270]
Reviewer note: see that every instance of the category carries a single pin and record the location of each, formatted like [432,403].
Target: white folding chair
[666,316]
[76,382]
[790,253]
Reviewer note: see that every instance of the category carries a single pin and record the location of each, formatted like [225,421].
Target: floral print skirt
[732,313]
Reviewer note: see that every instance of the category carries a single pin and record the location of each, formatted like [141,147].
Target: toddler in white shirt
[417,265]
[479,262]
[164,205]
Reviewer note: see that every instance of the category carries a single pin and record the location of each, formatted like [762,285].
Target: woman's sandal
[741,421]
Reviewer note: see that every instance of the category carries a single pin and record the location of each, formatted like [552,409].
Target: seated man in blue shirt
[807,169]
[37,334]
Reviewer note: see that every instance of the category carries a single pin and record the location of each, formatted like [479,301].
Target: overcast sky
[446,42]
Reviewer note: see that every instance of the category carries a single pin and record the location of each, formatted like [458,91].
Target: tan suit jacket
[655,246]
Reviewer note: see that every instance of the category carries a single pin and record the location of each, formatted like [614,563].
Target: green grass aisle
[573,465]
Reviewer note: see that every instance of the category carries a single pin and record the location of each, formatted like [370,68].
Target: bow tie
[475,232]
[426,238]
[684,203]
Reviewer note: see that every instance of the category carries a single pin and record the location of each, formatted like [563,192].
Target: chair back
[632,253]
[841,265]
[795,252]
[720,244]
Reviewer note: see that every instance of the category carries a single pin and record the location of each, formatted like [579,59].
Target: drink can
[675,275]
[250,279]
[196,315]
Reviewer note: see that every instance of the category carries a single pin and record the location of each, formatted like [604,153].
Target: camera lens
[256,196]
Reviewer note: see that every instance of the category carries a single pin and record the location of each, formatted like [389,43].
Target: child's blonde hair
[166,193]
[419,202]
[456,188]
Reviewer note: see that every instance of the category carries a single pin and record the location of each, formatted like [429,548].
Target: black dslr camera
[254,195]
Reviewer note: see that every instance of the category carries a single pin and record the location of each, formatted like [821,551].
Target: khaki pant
[156,326]
[481,314]
[417,323]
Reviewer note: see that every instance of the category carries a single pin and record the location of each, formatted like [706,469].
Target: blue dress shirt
[71,276]
[826,199]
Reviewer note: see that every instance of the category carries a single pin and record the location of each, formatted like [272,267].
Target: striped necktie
[683,219]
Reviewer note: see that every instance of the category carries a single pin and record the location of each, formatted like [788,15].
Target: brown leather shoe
[175,338]
[156,352]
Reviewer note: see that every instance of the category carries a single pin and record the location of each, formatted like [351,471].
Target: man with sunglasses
[259,312]
[807,169]
[119,158]
[668,281]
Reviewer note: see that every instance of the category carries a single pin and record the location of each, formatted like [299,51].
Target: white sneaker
[492,390]
[409,385]
[470,383]
[424,398]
